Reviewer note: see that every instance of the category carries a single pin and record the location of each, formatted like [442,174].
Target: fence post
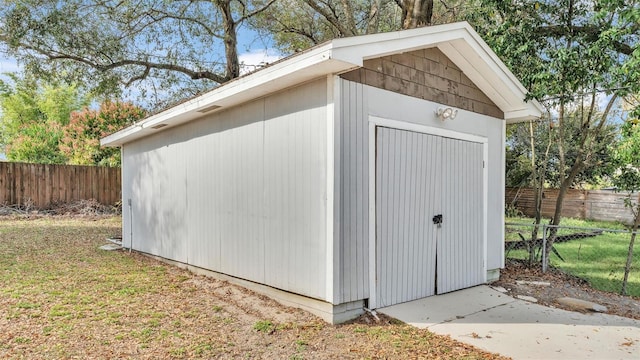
[544,248]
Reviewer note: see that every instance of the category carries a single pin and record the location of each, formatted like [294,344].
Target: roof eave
[533,111]
[297,69]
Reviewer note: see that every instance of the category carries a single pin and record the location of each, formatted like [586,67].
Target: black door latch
[437,220]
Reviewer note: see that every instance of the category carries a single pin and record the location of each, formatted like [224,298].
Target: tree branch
[331,18]
[148,65]
[195,75]
[165,15]
[142,76]
[591,32]
[301,33]
[255,12]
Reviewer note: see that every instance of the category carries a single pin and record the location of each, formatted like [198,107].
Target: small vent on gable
[209,108]
[158,126]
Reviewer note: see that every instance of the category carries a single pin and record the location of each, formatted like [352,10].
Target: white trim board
[485,205]
[402,125]
[372,215]
[333,191]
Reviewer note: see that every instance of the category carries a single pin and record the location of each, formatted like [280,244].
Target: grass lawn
[600,260]
[62,297]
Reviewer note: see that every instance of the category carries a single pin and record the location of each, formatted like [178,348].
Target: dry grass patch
[62,297]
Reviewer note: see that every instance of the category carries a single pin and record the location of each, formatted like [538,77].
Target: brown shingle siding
[426,74]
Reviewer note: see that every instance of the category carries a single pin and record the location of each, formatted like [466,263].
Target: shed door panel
[460,251]
[419,176]
[407,178]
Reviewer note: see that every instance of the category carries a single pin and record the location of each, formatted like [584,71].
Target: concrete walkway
[496,322]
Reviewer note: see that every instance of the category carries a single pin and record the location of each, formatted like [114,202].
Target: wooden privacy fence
[601,205]
[43,185]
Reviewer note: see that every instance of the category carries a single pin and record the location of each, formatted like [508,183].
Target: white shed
[333,180]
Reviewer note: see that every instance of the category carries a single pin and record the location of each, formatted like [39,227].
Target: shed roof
[458,41]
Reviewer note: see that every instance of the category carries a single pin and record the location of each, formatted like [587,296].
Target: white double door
[429,215]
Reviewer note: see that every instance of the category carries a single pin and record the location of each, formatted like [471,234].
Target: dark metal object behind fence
[596,255]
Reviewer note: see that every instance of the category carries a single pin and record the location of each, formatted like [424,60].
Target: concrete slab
[433,310]
[110,247]
[520,329]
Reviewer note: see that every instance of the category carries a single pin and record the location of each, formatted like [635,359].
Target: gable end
[425,74]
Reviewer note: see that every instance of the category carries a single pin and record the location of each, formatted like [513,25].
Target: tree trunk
[538,176]
[587,137]
[374,17]
[348,14]
[417,13]
[557,213]
[537,196]
[230,39]
[634,228]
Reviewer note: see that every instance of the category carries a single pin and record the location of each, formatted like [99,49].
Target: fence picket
[45,185]
[582,204]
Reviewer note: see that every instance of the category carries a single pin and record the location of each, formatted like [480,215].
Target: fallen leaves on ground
[62,297]
[563,285]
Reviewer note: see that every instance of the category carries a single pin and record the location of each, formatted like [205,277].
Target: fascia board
[532,112]
[490,74]
[472,65]
[113,140]
[356,49]
[499,68]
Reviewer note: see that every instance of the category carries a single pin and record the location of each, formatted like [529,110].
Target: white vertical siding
[128,173]
[242,192]
[240,181]
[224,188]
[202,192]
[295,190]
[157,192]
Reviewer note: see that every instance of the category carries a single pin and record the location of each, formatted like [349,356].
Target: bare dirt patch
[62,297]
[562,285]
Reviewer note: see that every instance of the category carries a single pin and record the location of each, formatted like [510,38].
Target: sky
[7,66]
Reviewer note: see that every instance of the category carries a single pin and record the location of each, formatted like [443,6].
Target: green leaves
[598,166]
[626,155]
[561,49]
[80,141]
[50,123]
[33,115]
